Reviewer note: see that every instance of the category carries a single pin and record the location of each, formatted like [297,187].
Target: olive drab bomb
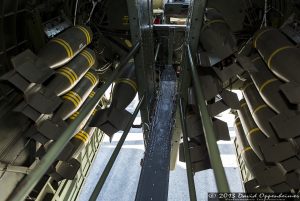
[69,75]
[65,46]
[115,118]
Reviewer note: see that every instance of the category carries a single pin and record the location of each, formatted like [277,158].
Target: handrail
[210,137]
[114,155]
[29,182]
[189,172]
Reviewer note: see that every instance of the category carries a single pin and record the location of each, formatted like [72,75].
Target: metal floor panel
[154,179]
[123,179]
[120,187]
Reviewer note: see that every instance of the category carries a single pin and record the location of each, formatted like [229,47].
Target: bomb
[65,46]
[88,116]
[74,98]
[69,166]
[266,175]
[216,36]
[260,111]
[196,144]
[115,118]
[267,149]
[268,86]
[280,55]
[68,76]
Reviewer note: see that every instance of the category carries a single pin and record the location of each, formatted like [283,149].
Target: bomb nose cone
[65,46]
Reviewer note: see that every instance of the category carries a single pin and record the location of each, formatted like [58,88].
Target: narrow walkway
[122,182]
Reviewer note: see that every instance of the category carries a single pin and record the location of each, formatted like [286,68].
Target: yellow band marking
[259,108]
[76,113]
[92,94]
[73,116]
[81,138]
[266,83]
[237,123]
[87,58]
[67,76]
[87,55]
[276,52]
[65,45]
[70,99]
[243,105]
[259,35]
[70,72]
[83,134]
[128,43]
[73,97]
[212,22]
[90,56]
[94,112]
[91,77]
[129,82]
[246,149]
[253,131]
[86,33]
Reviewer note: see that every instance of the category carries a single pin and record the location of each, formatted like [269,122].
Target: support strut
[186,150]
[210,137]
[114,155]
